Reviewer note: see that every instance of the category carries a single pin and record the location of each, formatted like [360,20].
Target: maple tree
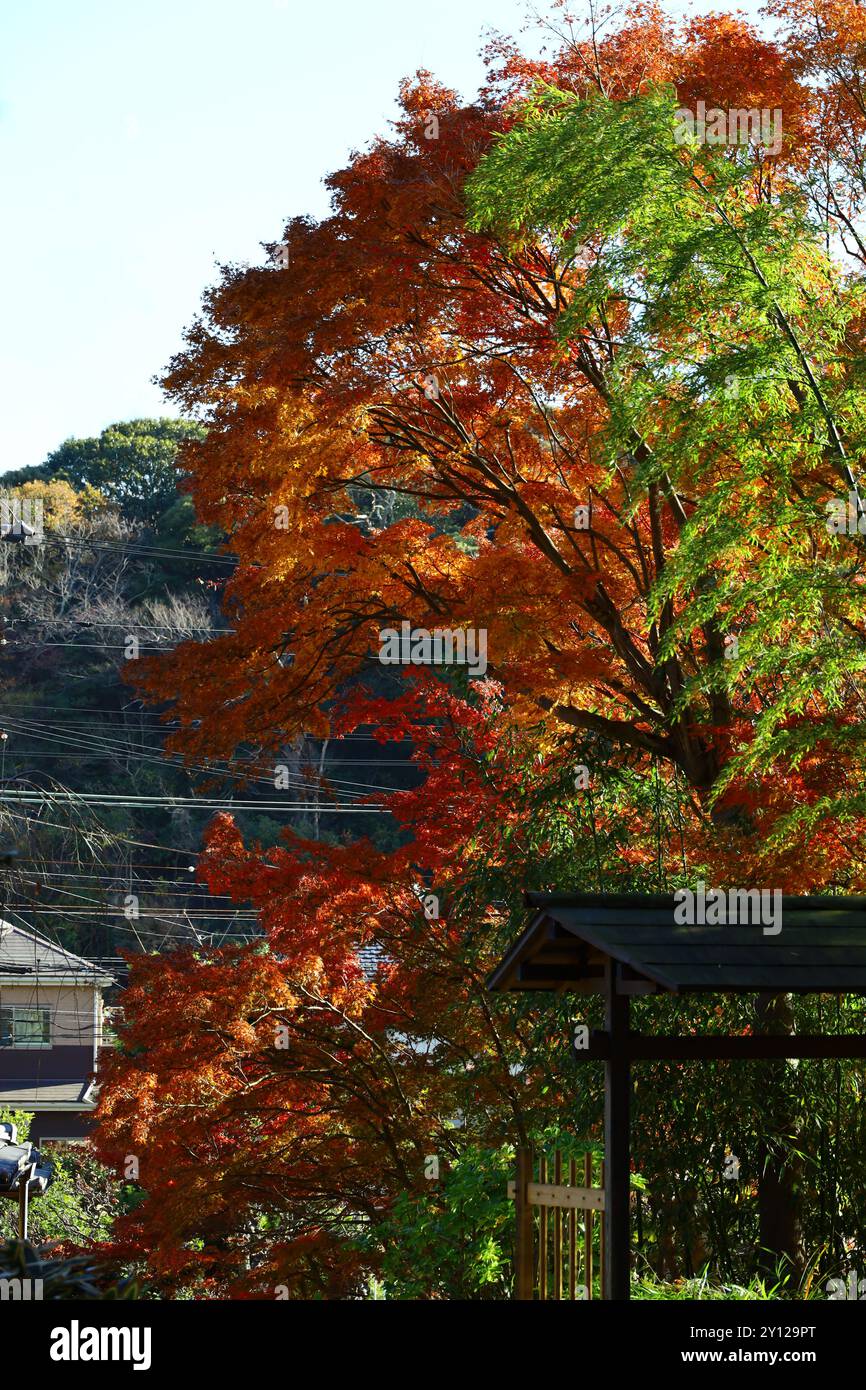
[559,375]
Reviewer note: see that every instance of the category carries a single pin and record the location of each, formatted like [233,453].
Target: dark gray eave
[571,936]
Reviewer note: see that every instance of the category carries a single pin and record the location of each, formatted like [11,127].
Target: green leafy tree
[134,464]
[735,390]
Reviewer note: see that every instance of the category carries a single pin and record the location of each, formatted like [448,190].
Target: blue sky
[142,141]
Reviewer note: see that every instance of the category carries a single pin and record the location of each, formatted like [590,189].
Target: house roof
[26,955]
[821,947]
[25,1093]
[369,959]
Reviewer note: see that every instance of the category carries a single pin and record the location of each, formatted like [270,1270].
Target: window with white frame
[24,1026]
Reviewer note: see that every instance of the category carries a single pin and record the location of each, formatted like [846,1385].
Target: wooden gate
[554,1258]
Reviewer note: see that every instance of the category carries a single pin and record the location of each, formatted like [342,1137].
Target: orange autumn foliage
[354,498]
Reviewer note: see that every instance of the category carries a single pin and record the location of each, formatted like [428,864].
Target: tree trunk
[779,1170]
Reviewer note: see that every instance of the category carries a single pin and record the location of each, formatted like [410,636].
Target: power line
[121,873]
[76,646]
[158,913]
[110,835]
[24,859]
[70,621]
[133,865]
[308,772]
[93,902]
[153,714]
[118,802]
[52,733]
[149,551]
[94,744]
[94,709]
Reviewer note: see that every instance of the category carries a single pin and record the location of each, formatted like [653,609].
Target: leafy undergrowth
[701,1288]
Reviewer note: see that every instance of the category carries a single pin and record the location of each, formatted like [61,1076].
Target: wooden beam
[541,970]
[549,1194]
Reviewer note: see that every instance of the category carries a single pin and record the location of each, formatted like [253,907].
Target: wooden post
[572,1235]
[24,1200]
[602,1237]
[588,1223]
[542,1234]
[524,1253]
[557,1231]
[617,1086]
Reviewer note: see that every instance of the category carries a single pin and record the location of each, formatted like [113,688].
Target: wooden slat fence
[555,1249]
